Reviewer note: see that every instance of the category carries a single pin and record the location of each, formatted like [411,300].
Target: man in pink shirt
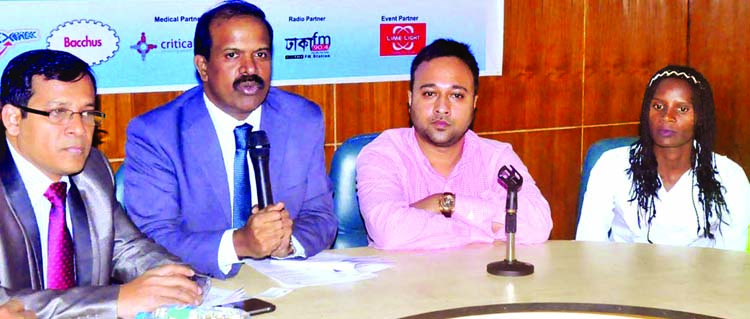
[434,185]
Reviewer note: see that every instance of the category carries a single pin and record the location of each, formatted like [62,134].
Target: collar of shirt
[34,180]
[683,185]
[224,125]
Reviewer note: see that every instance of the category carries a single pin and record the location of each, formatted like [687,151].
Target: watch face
[448,202]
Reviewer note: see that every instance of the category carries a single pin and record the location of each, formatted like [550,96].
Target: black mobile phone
[256,306]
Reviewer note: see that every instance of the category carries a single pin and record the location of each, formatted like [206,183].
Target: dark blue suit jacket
[176,187]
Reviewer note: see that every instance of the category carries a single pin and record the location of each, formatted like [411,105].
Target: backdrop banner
[147,45]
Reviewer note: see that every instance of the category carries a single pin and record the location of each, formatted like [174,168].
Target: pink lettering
[84,43]
[320,47]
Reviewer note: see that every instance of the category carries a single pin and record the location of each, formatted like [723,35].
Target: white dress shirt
[607,205]
[36,184]
[224,125]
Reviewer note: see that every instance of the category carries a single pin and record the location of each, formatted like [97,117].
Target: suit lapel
[28,269]
[272,117]
[81,236]
[202,145]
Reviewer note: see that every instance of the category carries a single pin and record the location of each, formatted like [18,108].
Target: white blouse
[607,205]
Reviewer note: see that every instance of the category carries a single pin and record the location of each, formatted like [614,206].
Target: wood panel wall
[573,72]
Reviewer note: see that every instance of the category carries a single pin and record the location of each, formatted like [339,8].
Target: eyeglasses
[63,116]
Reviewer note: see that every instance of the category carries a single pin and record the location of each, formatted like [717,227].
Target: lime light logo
[8,39]
[90,40]
[143,47]
[402,38]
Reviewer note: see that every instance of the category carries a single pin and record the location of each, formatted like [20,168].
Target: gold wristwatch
[447,204]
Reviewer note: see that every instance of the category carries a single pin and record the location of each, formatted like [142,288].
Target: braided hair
[643,164]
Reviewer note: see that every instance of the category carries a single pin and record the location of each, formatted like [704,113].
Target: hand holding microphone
[269,228]
[260,152]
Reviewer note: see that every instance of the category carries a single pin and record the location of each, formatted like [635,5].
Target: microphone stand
[512,181]
[259,149]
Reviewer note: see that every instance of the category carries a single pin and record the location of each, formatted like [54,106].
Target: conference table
[640,280]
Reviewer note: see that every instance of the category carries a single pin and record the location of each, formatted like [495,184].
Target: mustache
[249,78]
[440,118]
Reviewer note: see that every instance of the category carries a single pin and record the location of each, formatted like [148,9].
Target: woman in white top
[669,187]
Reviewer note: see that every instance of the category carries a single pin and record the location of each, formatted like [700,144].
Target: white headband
[668,73]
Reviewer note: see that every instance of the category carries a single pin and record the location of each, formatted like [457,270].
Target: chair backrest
[351,231]
[595,151]
[120,187]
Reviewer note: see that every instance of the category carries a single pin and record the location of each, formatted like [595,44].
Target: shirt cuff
[227,255]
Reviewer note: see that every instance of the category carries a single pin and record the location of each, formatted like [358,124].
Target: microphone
[512,181]
[259,150]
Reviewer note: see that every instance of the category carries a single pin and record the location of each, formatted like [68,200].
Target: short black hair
[446,48]
[15,85]
[226,10]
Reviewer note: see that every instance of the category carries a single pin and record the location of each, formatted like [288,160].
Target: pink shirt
[392,172]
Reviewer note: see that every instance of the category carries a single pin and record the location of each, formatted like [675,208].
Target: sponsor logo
[319,46]
[90,40]
[315,43]
[9,38]
[143,46]
[402,38]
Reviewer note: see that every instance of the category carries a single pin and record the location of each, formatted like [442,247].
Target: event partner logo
[402,38]
[9,38]
[90,40]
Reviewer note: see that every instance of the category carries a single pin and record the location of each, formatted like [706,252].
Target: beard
[441,138]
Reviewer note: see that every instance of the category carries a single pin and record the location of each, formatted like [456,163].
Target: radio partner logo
[90,40]
[10,38]
[319,46]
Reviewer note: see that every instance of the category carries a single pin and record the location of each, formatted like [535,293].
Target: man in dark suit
[187,178]
[63,236]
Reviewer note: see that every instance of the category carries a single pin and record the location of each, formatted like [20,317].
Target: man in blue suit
[186,176]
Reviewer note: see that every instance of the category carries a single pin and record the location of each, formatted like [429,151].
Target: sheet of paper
[273,293]
[219,296]
[322,269]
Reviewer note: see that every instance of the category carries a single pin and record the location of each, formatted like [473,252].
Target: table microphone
[512,181]
[259,150]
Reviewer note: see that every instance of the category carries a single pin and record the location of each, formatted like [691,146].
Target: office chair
[120,187]
[351,230]
[595,151]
